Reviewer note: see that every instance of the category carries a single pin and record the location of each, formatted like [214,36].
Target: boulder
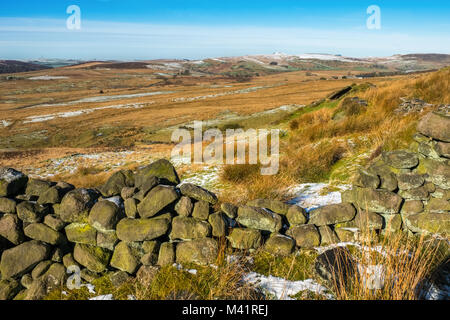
[259,218]
[76,204]
[42,232]
[166,256]
[117,181]
[245,239]
[9,288]
[54,222]
[40,269]
[36,187]
[218,224]
[147,185]
[11,229]
[81,233]
[443,149]
[12,182]
[428,222]
[365,179]
[151,249]
[438,206]
[401,159]
[412,207]
[200,251]
[347,234]
[19,260]
[296,215]
[229,209]
[392,222]
[94,258]
[130,230]
[107,240]
[197,193]
[186,228]
[365,220]
[305,236]
[68,260]
[130,205]
[104,216]
[327,236]
[128,192]
[51,196]
[273,205]
[184,206]
[379,201]
[408,181]
[332,214]
[388,179]
[436,126]
[420,193]
[7,205]
[161,169]
[438,172]
[119,278]
[201,210]
[279,245]
[125,258]
[156,200]
[31,212]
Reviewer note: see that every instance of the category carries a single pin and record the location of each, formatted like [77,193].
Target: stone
[229,209]
[146,274]
[186,228]
[89,276]
[54,222]
[117,181]
[147,185]
[436,126]
[81,233]
[76,204]
[420,193]
[365,220]
[379,201]
[40,269]
[197,193]
[9,288]
[184,206]
[130,230]
[337,267]
[57,255]
[42,232]
[428,150]
[408,181]
[19,260]
[428,222]
[259,218]
[166,256]
[11,229]
[439,172]
[392,222]
[51,196]
[401,159]
[7,205]
[430,187]
[438,206]
[151,249]
[69,261]
[94,258]
[107,240]
[104,216]
[347,234]
[31,212]
[332,214]
[156,200]
[26,281]
[365,179]
[201,210]
[245,239]
[412,207]
[55,276]
[443,149]
[128,192]
[125,258]
[296,215]
[36,187]
[305,236]
[12,182]
[388,179]
[279,245]
[327,236]
[119,278]
[161,169]
[218,224]
[130,205]
[276,206]
[201,251]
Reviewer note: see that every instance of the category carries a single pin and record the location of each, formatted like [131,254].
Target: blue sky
[149,29]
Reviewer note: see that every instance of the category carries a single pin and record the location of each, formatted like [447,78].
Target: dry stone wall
[142,219]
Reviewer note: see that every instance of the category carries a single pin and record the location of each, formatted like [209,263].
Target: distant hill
[14,66]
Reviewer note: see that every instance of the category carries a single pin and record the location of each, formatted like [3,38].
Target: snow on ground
[207,177]
[5,123]
[283,289]
[48,78]
[309,195]
[103,297]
